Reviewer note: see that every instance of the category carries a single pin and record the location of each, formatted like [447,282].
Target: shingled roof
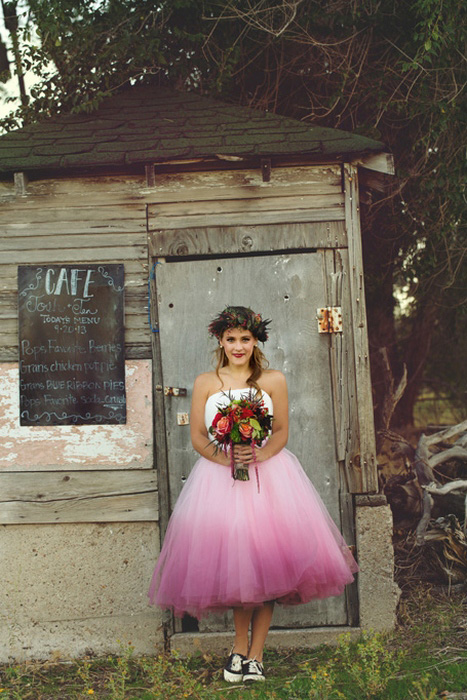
[151,125]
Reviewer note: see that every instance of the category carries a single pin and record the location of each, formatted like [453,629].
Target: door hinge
[329,319]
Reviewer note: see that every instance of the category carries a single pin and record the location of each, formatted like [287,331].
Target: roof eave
[206,162]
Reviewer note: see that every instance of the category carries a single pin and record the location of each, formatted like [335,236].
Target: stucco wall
[71,589]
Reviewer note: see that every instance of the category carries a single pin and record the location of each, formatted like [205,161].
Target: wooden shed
[203,203]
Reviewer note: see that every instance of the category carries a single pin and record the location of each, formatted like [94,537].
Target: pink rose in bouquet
[246,430]
[222,426]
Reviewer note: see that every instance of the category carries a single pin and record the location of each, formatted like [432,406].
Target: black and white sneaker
[233,668]
[253,670]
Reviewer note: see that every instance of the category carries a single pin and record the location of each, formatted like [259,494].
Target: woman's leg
[242,619]
[261,620]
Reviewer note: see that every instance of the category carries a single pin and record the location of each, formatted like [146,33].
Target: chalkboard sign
[71,344]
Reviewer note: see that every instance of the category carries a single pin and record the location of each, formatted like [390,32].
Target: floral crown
[239,317]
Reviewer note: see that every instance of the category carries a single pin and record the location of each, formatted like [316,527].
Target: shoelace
[254,666]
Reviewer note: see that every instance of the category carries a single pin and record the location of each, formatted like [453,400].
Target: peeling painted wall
[44,448]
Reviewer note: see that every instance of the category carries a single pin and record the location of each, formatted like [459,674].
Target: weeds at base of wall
[424,657]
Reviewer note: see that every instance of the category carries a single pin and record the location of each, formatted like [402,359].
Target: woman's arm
[199,435]
[277,389]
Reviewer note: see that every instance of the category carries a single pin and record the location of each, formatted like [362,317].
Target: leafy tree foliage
[388,69]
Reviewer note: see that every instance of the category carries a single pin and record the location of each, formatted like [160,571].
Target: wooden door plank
[73,255]
[78,496]
[159,422]
[232,206]
[239,218]
[363,462]
[228,240]
[107,227]
[131,508]
[29,239]
[12,213]
[135,273]
[188,184]
[181,194]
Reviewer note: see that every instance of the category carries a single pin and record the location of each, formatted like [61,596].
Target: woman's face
[238,345]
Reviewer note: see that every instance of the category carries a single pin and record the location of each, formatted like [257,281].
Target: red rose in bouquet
[244,421]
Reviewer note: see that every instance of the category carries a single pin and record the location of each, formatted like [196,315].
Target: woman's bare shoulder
[206,381]
[273,379]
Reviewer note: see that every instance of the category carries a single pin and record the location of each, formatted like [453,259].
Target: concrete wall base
[97,636]
[189,643]
[377,591]
[75,589]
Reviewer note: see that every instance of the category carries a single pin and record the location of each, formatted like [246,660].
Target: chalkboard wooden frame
[71,344]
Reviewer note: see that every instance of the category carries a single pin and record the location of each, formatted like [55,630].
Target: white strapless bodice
[221,398]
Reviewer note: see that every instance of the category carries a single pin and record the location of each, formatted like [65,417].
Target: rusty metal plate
[329,319]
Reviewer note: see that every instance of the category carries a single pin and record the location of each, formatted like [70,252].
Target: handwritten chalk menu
[71,344]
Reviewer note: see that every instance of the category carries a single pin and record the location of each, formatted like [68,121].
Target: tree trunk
[415,355]
[378,264]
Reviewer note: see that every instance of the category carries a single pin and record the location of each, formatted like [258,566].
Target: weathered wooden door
[288,288]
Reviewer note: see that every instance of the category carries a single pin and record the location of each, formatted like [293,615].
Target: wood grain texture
[279,216]
[78,496]
[103,219]
[228,240]
[363,462]
[342,362]
[159,422]
[288,202]
[184,186]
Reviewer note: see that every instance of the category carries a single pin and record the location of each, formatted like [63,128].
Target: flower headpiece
[239,317]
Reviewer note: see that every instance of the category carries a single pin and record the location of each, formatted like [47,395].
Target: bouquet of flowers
[244,421]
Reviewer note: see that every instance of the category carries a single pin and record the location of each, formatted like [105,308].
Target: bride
[230,544]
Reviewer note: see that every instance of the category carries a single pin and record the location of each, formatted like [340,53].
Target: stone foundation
[378,593]
[72,589]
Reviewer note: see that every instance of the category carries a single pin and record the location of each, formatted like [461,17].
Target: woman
[246,544]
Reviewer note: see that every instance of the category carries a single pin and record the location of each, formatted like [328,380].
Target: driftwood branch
[447,433]
[424,464]
[427,502]
[459,485]
[450,453]
[392,395]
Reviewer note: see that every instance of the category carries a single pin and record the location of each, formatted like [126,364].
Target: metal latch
[171,390]
[329,319]
[174,391]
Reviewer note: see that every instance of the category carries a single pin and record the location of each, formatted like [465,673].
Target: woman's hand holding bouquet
[238,428]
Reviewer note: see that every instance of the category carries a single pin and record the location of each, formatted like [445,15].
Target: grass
[434,408]
[425,656]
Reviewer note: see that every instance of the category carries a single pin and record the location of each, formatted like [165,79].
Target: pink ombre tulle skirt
[229,545]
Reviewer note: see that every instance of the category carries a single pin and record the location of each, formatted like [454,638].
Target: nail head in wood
[266,169]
